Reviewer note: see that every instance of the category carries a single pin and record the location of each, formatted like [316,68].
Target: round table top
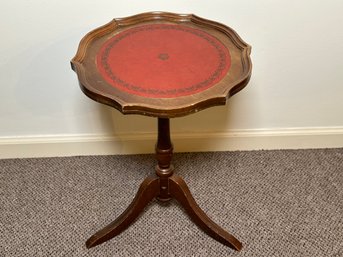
[162,64]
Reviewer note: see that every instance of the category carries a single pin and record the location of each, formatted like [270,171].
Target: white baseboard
[72,145]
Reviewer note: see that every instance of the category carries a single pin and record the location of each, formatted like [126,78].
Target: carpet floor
[277,203]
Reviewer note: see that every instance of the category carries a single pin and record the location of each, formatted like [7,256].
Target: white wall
[297,82]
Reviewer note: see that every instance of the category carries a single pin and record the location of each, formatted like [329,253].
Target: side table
[163,65]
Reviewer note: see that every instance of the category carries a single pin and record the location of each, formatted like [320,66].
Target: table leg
[147,191]
[164,187]
[179,190]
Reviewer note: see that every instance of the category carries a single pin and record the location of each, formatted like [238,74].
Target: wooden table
[163,65]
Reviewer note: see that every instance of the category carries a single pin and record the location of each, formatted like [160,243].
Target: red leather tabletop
[162,64]
[163,60]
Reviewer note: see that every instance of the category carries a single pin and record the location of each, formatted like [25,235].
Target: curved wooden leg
[179,190]
[148,190]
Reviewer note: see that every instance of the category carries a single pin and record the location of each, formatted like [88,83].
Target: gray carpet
[278,203]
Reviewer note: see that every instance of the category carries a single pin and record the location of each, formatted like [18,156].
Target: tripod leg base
[180,191]
[148,190]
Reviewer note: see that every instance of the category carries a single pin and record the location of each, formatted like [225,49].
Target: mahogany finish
[165,186]
[93,60]
[94,85]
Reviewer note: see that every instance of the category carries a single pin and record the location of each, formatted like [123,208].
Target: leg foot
[179,190]
[148,190]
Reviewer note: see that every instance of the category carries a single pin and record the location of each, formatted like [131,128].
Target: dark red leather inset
[163,60]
